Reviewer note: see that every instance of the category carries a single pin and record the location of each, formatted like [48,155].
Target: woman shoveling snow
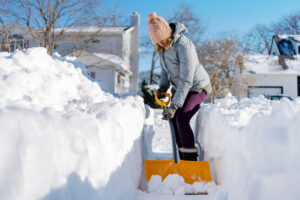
[180,68]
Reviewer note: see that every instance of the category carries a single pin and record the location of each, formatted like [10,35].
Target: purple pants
[181,121]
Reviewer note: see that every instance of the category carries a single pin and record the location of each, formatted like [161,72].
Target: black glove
[170,111]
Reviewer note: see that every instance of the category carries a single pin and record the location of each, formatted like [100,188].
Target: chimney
[135,19]
[134,56]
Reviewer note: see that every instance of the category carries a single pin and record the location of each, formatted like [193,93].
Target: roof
[92,29]
[269,64]
[285,45]
[113,59]
[101,59]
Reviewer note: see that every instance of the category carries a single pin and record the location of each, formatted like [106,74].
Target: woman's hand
[169,112]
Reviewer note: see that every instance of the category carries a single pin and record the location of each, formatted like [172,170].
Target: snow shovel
[191,171]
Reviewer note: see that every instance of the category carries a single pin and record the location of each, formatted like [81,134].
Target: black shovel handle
[173,138]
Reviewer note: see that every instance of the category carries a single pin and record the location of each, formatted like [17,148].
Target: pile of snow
[268,64]
[174,184]
[62,137]
[253,146]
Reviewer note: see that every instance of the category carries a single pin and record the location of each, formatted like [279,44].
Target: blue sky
[221,16]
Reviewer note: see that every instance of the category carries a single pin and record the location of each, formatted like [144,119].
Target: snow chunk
[174,184]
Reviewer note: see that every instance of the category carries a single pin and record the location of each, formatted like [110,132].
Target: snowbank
[253,146]
[62,137]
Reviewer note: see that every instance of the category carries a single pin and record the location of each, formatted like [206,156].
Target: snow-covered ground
[63,138]
[252,146]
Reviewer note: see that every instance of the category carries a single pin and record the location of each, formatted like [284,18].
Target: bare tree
[4,37]
[196,26]
[288,24]
[258,39]
[47,21]
[221,58]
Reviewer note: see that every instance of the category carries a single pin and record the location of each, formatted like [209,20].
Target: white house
[266,76]
[111,54]
[276,73]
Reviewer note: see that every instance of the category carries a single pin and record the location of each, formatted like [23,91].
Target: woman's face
[163,43]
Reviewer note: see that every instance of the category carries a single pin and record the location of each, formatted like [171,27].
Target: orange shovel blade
[191,171]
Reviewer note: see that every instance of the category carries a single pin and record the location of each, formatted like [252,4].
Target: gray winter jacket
[181,67]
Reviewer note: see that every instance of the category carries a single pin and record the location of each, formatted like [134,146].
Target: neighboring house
[273,74]
[266,76]
[111,54]
[14,42]
[14,38]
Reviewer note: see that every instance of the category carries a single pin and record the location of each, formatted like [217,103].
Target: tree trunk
[152,67]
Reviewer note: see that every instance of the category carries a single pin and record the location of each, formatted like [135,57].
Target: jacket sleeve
[164,80]
[187,65]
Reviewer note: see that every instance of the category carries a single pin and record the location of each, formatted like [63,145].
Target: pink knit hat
[159,29]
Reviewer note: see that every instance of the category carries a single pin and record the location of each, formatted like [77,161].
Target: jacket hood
[178,29]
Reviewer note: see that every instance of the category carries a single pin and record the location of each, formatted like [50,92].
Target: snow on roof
[296,38]
[104,58]
[92,29]
[114,59]
[269,64]
[293,37]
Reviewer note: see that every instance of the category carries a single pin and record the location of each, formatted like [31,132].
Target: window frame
[298,85]
[92,74]
[15,40]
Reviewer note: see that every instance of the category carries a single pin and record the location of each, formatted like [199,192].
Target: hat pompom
[152,16]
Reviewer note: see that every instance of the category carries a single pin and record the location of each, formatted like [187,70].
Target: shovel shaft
[173,138]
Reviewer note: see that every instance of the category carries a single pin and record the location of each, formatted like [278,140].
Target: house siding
[106,75]
[274,49]
[287,81]
[126,47]
[134,51]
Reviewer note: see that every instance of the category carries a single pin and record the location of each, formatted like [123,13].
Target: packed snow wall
[253,146]
[62,137]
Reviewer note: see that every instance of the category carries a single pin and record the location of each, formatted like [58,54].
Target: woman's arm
[164,80]
[188,60]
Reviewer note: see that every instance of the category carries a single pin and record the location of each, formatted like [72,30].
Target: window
[16,41]
[96,41]
[12,47]
[92,74]
[298,85]
[26,44]
[254,91]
